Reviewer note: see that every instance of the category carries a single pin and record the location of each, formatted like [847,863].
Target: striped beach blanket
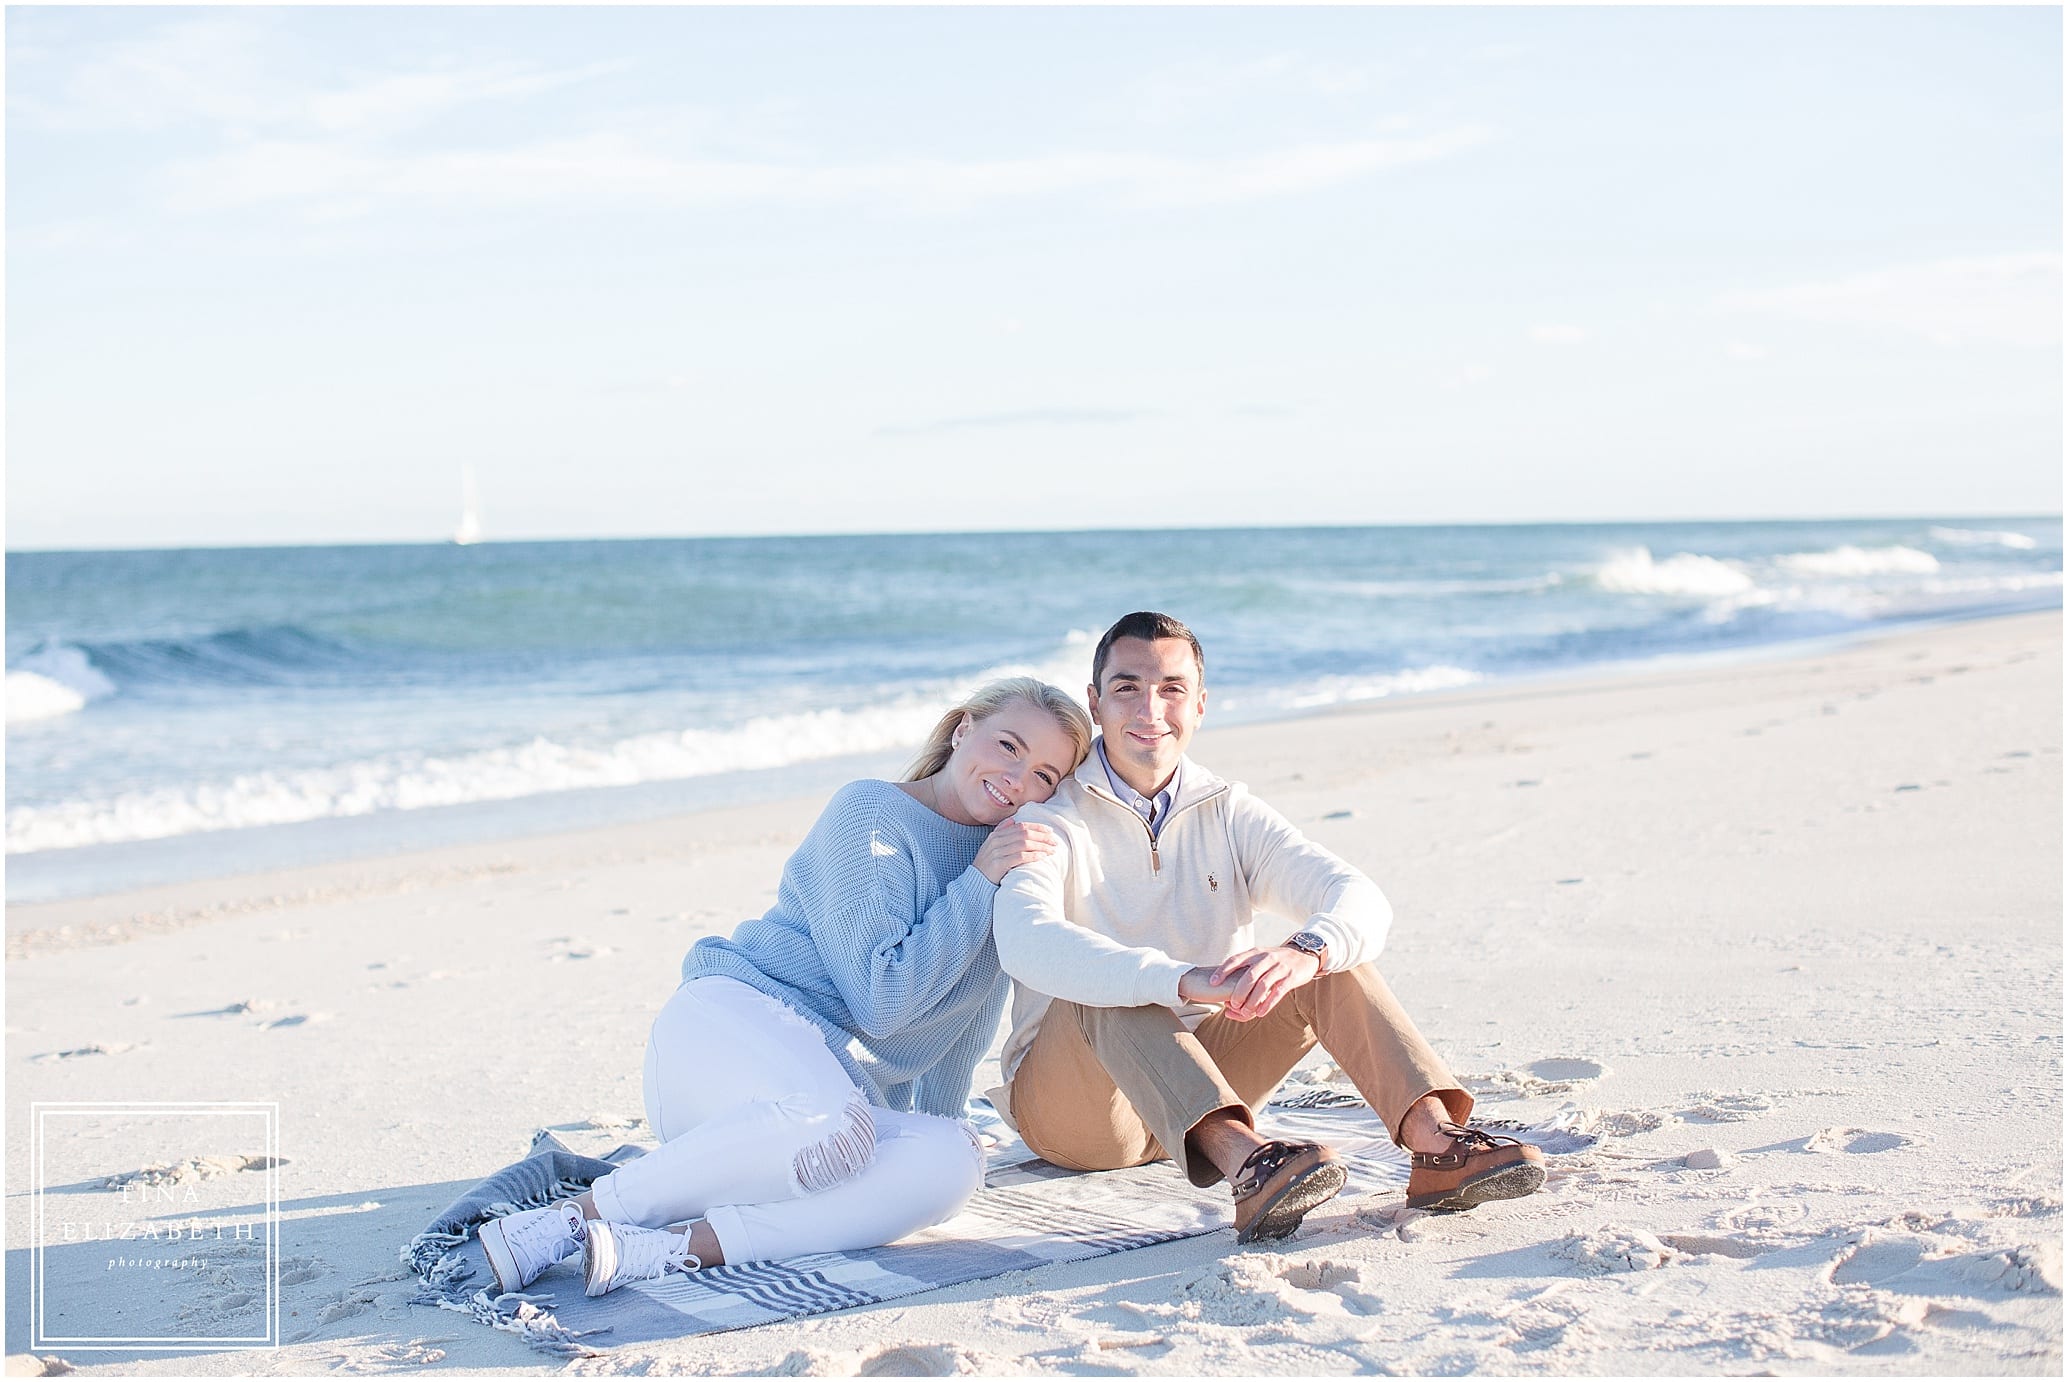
[1029,1214]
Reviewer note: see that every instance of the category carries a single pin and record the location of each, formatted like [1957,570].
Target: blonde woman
[808,1079]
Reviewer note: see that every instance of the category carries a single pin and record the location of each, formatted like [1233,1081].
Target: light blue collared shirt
[1153,813]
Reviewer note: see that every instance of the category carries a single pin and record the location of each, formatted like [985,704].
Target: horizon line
[2056,517]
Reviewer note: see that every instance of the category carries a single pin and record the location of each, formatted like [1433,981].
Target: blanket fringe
[443,1280]
[426,1253]
[519,1314]
[443,1272]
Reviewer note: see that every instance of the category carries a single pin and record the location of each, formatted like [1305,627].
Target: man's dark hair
[1147,625]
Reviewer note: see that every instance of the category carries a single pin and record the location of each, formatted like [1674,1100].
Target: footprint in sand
[347,1305]
[1876,1258]
[1603,1122]
[1612,1248]
[1855,1140]
[299,1271]
[417,1353]
[2034,1267]
[292,1020]
[1727,1108]
[1342,1279]
[1239,1291]
[1714,1245]
[1257,1288]
[1553,1075]
[194,1168]
[1933,1264]
[2024,1206]
[98,1048]
[1779,1214]
[921,1360]
[243,1007]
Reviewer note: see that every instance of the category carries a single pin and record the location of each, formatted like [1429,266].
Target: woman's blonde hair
[987,701]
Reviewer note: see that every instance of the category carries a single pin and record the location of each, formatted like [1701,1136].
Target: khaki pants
[1103,1088]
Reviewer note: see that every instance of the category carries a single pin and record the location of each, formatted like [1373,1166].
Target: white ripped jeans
[765,1137]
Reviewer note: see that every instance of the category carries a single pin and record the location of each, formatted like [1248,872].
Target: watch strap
[1309,943]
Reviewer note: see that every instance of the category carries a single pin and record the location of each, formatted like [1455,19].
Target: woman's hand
[1261,977]
[1011,844]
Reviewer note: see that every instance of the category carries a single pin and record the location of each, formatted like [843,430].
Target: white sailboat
[469,531]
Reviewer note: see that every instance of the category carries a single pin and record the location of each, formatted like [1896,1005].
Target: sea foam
[1686,573]
[56,679]
[407,782]
[1973,537]
[1344,690]
[1860,561]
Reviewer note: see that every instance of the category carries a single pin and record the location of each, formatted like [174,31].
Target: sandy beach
[1785,934]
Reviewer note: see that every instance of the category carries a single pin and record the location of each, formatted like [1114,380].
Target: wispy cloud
[230,72]
[1028,417]
[400,100]
[207,68]
[2004,299]
[1745,350]
[358,143]
[1188,91]
[1560,335]
[327,179]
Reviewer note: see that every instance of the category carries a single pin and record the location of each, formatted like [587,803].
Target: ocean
[191,713]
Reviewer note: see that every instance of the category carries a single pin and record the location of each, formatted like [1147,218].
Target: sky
[278,275]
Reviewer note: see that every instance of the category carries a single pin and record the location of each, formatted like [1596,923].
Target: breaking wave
[1635,573]
[409,782]
[1972,537]
[1860,561]
[56,679]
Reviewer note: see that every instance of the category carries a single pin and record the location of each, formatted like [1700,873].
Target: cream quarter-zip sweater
[1114,916]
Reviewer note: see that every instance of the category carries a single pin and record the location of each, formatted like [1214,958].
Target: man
[1148,1020]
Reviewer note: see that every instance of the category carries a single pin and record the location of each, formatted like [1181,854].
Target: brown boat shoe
[1478,1167]
[1279,1183]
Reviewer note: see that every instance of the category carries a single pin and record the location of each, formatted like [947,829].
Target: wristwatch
[1307,943]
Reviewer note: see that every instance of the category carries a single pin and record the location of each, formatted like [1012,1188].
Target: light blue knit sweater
[881,936]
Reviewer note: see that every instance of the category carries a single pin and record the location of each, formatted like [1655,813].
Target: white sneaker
[613,1254]
[521,1246]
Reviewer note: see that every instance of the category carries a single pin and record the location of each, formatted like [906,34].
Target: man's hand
[1260,978]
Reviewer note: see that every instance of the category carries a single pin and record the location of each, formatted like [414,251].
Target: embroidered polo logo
[1213,884]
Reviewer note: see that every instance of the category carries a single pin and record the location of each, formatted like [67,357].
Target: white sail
[469,530]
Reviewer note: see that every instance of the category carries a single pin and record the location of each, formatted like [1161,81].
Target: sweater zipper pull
[1155,859]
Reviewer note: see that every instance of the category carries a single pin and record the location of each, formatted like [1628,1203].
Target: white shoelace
[644,1254]
[548,1238]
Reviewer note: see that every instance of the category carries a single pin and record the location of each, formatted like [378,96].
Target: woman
[808,1078]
